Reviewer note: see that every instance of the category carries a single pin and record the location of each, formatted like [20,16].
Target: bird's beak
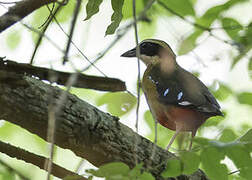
[130,53]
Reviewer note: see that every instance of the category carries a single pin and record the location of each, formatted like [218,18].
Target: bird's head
[151,51]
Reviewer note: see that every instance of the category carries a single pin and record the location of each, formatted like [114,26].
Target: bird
[177,99]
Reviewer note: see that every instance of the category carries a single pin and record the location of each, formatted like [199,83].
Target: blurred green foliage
[13,39]
[120,171]
[118,103]
[245,98]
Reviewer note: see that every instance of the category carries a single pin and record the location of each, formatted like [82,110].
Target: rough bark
[88,132]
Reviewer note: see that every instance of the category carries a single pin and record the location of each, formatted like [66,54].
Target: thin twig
[44,30]
[76,12]
[50,137]
[82,54]
[48,17]
[138,75]
[40,33]
[233,172]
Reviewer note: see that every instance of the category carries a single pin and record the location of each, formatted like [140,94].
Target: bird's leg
[178,129]
[193,134]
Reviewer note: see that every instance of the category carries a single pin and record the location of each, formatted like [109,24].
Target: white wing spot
[184,103]
[166,92]
[180,95]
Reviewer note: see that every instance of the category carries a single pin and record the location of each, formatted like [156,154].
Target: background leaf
[92,8]
[118,103]
[242,159]
[110,170]
[223,92]
[245,98]
[116,16]
[182,7]
[13,39]
[189,43]
[127,9]
[210,158]
[227,135]
[190,162]
[232,28]
[250,67]
[173,168]
[66,12]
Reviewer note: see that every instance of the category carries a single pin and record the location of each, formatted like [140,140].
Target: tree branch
[19,11]
[88,132]
[36,160]
[83,81]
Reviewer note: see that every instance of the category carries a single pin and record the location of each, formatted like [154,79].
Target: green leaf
[147,29]
[189,43]
[232,28]
[245,98]
[190,161]
[40,16]
[223,92]
[92,8]
[146,176]
[247,37]
[250,67]
[242,160]
[13,39]
[118,103]
[173,168]
[241,55]
[7,175]
[182,7]
[136,171]
[201,141]
[213,13]
[110,170]
[227,135]
[66,12]
[245,45]
[116,16]
[247,139]
[210,158]
[214,121]
[127,9]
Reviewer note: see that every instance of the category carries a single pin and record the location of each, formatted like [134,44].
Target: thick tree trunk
[88,132]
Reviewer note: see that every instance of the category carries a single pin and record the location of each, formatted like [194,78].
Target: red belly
[189,119]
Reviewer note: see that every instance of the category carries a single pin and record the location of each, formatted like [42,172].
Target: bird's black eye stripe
[149,48]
